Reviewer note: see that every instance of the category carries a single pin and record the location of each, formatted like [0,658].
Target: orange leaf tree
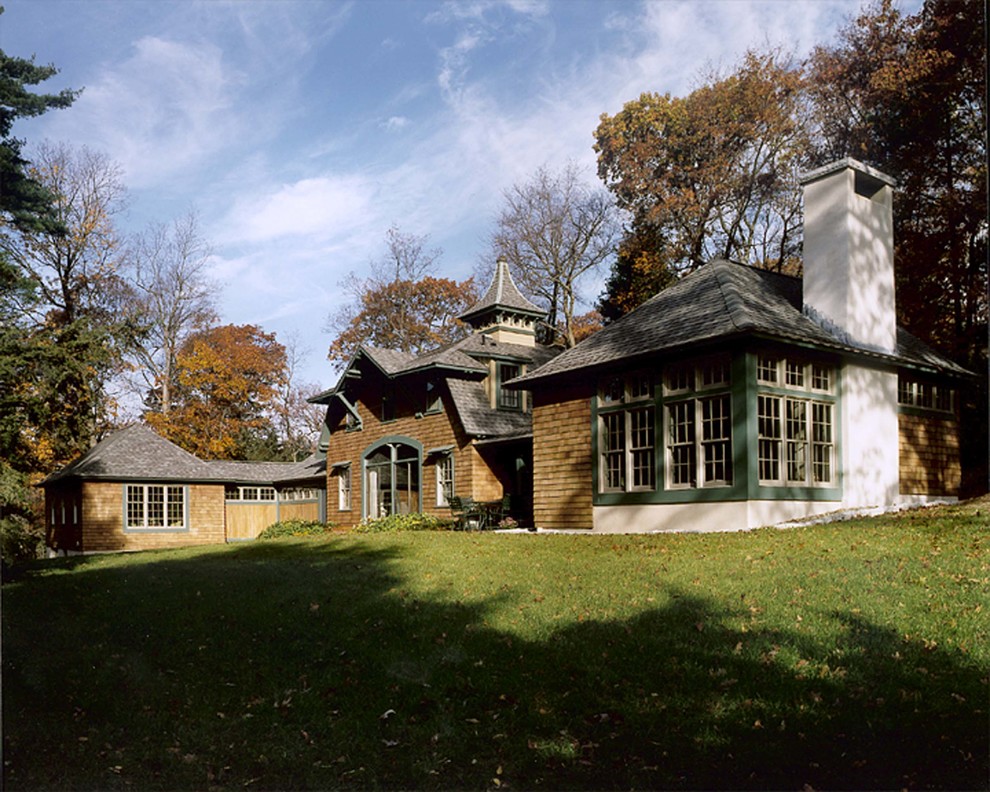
[228,380]
[710,174]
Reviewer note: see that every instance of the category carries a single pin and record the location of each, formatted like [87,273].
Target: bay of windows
[249,493]
[913,392]
[675,431]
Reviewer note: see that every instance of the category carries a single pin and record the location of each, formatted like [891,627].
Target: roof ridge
[729,290]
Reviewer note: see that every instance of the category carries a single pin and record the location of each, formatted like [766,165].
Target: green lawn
[853,655]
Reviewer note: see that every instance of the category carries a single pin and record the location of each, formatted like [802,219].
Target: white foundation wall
[704,517]
[870,441]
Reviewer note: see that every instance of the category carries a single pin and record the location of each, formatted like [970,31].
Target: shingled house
[740,397]
[137,491]
[408,433]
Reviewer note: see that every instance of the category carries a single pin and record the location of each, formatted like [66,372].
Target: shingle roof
[136,453]
[477,416]
[502,293]
[720,300]
[266,472]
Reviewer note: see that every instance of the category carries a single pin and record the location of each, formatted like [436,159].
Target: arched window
[391,479]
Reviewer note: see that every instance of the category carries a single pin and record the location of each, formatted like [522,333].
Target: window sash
[445,480]
[344,489]
[508,399]
[795,441]
[155,507]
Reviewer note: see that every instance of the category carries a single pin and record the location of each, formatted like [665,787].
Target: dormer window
[508,399]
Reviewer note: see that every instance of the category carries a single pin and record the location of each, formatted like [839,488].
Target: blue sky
[300,131]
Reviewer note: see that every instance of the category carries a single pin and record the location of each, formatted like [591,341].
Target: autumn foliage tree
[711,174]
[907,93]
[400,305]
[227,384]
[67,317]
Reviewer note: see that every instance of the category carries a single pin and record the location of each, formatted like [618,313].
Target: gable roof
[502,294]
[139,453]
[719,301]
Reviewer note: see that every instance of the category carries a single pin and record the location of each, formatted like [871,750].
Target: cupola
[503,313]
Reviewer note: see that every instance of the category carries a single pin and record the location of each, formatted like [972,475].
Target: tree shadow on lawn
[317,665]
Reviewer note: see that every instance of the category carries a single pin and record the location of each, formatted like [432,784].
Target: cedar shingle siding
[929,455]
[562,460]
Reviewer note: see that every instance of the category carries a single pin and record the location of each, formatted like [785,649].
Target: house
[409,433]
[136,490]
[740,397]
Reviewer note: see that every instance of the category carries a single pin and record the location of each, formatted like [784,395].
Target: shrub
[19,539]
[290,528]
[404,522]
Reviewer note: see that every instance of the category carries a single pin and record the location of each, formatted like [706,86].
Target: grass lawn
[853,655]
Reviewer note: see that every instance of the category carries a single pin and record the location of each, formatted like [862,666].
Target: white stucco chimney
[849,252]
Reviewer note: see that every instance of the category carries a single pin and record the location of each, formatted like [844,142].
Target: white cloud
[165,109]
[395,123]
[320,207]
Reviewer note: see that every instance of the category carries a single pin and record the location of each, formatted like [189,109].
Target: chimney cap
[845,163]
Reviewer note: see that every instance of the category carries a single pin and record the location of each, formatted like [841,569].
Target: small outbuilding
[135,490]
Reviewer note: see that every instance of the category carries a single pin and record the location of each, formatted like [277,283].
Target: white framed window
[796,441]
[627,434]
[699,442]
[698,428]
[445,479]
[153,507]
[344,488]
[795,433]
[768,369]
[924,395]
[249,493]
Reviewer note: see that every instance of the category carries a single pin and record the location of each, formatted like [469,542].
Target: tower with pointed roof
[503,313]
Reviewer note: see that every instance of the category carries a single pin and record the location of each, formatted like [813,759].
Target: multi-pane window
[249,493]
[768,369]
[794,374]
[299,494]
[795,442]
[699,428]
[925,395]
[344,488]
[680,444]
[613,455]
[641,442]
[445,479]
[508,399]
[716,439]
[155,506]
[627,434]
[768,419]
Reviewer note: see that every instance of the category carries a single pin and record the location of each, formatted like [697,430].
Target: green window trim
[743,392]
